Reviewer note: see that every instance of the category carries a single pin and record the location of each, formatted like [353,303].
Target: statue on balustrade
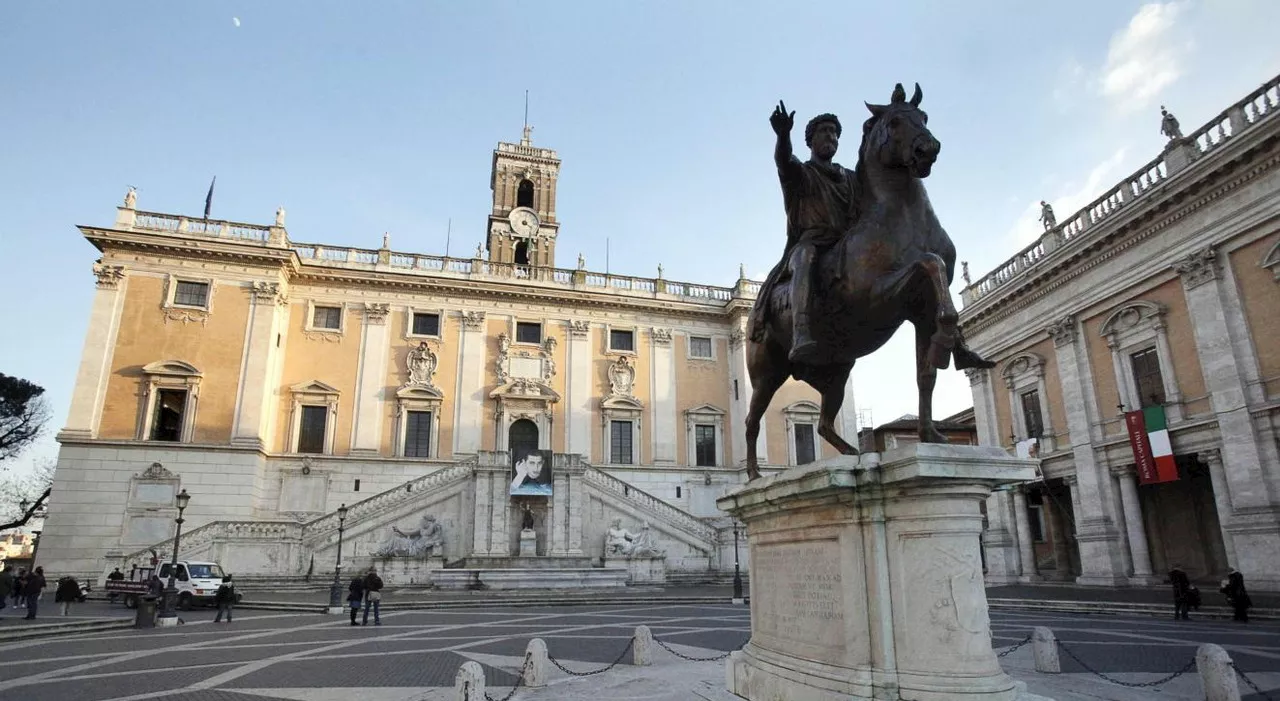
[1169,125]
[1047,216]
[644,544]
[280,216]
[618,540]
[424,541]
[131,198]
[865,252]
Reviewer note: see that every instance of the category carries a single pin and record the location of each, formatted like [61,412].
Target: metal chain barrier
[666,647]
[610,666]
[1017,646]
[1133,685]
[519,681]
[1247,680]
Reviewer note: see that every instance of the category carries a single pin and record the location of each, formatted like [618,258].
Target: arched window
[524,195]
[522,252]
[522,437]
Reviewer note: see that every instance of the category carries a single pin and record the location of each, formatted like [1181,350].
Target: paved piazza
[414,655]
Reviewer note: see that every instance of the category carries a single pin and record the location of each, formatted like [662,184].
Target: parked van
[196,582]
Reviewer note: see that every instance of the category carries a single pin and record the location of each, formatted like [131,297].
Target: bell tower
[522,225]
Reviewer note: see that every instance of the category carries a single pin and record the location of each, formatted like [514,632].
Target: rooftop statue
[1047,216]
[1169,124]
[865,253]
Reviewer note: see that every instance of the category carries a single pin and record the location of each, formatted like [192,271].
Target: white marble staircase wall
[451,505]
[684,552]
[341,473]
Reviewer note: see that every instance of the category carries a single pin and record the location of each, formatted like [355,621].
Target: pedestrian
[115,576]
[32,589]
[355,596]
[68,591]
[1237,596]
[6,585]
[225,598]
[18,599]
[372,597]
[1181,592]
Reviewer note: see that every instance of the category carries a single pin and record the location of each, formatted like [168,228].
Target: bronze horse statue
[894,264]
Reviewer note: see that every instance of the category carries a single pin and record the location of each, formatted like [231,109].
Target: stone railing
[473,268]
[221,229]
[1259,105]
[388,500]
[668,513]
[199,539]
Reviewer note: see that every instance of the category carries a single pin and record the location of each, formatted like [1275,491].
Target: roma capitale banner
[1152,451]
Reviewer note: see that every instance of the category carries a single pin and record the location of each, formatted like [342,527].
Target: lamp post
[737,568]
[335,591]
[168,616]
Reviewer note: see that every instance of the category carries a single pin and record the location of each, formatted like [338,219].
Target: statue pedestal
[528,543]
[866,578]
[401,571]
[640,570]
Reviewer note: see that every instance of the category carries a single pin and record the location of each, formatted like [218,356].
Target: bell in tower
[522,225]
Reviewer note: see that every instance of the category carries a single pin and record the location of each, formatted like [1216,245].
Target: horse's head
[897,135]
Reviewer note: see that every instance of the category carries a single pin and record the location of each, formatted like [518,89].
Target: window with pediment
[802,432]
[704,435]
[1028,406]
[170,393]
[1142,360]
[314,417]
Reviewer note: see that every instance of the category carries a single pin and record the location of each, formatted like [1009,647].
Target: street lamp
[168,616]
[737,568]
[335,591]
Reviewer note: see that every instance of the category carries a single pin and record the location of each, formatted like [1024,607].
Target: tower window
[522,252]
[524,195]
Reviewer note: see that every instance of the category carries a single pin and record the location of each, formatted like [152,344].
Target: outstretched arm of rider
[788,165]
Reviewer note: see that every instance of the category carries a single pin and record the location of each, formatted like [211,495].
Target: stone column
[662,388]
[499,536]
[999,541]
[1133,523]
[1253,515]
[578,386]
[1026,549]
[559,529]
[469,416]
[740,397]
[95,358]
[482,484]
[254,405]
[1101,552]
[371,374]
[576,505]
[1221,498]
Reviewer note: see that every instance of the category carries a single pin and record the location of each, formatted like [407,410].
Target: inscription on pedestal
[798,593]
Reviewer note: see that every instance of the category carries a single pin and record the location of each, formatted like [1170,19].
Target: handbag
[375,596]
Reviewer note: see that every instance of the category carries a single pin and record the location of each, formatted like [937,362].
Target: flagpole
[448,234]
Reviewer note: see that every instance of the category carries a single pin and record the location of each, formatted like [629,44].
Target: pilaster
[998,540]
[483,479]
[469,412]
[254,401]
[662,388]
[984,405]
[579,383]
[95,357]
[371,373]
[740,396]
[576,505]
[1101,552]
[499,537]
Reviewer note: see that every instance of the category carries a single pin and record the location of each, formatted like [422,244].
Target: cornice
[1049,279]
[208,248]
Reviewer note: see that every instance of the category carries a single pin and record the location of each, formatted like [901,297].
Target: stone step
[590,578]
[46,630]
[1121,608]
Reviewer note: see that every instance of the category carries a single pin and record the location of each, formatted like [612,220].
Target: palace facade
[276,380]
[1159,297]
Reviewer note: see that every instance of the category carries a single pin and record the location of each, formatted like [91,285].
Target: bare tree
[23,413]
[32,488]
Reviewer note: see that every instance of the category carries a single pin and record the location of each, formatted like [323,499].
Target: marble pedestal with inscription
[528,543]
[866,578]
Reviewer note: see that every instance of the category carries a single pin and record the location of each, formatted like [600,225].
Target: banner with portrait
[530,472]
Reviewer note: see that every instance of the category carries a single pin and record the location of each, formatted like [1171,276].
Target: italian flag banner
[1152,451]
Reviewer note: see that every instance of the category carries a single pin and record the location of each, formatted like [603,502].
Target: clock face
[524,221]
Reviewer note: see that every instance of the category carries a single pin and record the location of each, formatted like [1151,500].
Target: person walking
[18,599]
[225,598]
[372,597]
[1237,596]
[6,585]
[68,591]
[355,596]
[1181,592]
[115,576]
[31,589]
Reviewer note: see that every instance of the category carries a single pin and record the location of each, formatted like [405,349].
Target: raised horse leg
[946,317]
[832,399]
[767,375]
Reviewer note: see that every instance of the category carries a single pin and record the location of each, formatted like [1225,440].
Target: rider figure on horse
[820,201]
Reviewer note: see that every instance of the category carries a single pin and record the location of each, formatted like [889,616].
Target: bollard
[1044,646]
[535,658]
[642,647]
[1217,674]
[468,684]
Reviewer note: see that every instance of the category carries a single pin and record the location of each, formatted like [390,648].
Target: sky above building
[365,118]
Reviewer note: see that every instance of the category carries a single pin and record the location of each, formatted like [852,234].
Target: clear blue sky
[362,118]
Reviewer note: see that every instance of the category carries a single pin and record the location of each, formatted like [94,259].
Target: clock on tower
[522,224]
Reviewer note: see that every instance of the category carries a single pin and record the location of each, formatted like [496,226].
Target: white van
[196,582]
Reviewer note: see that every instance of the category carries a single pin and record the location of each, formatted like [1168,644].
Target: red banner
[1141,444]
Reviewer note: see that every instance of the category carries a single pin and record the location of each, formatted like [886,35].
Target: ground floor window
[620,448]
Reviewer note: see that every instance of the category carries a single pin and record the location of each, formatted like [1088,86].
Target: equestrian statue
[865,252]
